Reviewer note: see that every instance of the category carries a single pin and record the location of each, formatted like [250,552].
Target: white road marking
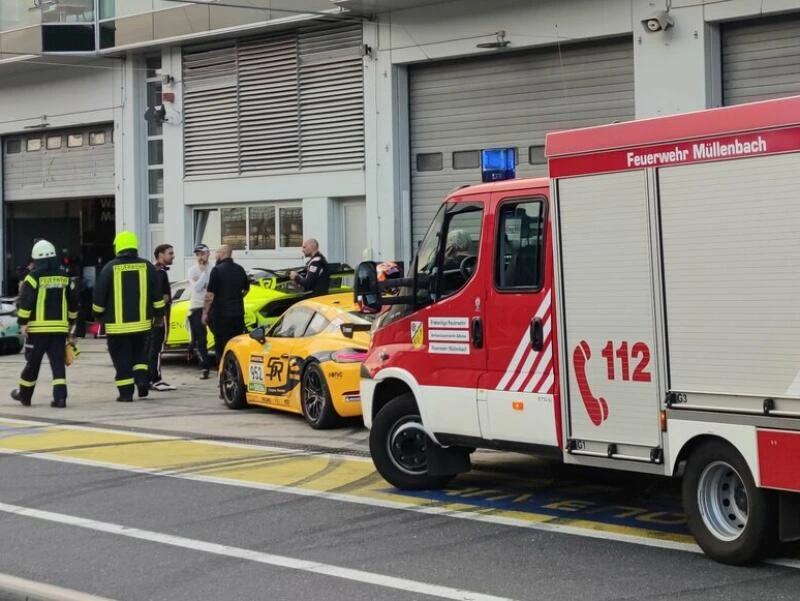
[280,561]
[386,504]
[431,510]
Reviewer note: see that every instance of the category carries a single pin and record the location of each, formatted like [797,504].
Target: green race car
[11,338]
[271,293]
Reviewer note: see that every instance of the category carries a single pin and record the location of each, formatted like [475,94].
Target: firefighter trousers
[36,347]
[129,356]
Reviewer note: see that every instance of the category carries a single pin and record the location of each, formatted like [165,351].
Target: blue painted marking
[603,508]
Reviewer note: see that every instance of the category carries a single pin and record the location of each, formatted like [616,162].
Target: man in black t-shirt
[164,255]
[317,279]
[223,308]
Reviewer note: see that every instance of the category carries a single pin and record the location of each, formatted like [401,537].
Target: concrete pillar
[676,69]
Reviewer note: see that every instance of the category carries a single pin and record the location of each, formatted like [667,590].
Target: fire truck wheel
[232,383]
[733,520]
[315,399]
[398,446]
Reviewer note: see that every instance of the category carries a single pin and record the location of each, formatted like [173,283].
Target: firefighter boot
[59,403]
[17,396]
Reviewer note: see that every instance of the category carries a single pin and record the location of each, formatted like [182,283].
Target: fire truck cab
[637,311]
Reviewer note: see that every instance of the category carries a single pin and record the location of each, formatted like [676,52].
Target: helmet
[43,250]
[388,270]
[125,241]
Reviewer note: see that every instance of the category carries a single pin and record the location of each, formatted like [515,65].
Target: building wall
[677,70]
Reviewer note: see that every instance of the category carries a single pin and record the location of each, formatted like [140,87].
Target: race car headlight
[349,356]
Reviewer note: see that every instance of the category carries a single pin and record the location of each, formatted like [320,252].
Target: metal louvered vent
[285,102]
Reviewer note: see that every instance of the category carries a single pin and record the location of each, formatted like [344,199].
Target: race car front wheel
[316,399]
[232,383]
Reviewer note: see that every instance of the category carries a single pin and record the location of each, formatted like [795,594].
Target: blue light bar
[498,164]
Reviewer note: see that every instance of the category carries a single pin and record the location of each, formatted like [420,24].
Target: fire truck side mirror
[366,290]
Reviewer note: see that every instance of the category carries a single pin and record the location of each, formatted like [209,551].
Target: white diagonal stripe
[281,561]
[544,366]
[526,368]
[523,345]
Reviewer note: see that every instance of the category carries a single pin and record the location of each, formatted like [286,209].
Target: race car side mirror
[348,329]
[258,335]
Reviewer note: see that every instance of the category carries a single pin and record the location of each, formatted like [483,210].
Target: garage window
[97,138]
[53,142]
[273,226]
[430,161]
[33,144]
[536,155]
[74,140]
[13,146]
[466,159]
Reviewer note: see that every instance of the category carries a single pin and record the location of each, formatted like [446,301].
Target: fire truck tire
[733,520]
[398,445]
[232,383]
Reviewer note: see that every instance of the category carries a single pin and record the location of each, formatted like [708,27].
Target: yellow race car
[307,362]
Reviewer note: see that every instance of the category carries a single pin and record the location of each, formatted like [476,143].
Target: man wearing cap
[198,283]
[127,299]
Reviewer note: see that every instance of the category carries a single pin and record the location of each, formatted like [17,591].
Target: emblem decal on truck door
[597,408]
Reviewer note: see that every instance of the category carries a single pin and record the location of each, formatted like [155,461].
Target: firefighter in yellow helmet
[127,298]
[47,308]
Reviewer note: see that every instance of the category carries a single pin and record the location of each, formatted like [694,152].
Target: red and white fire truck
[639,310]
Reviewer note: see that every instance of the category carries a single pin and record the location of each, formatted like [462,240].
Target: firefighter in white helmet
[47,308]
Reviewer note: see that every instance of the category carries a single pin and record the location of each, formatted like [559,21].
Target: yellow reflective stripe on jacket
[55,327]
[128,328]
[159,304]
[31,281]
[117,297]
[72,315]
[98,309]
[142,293]
[24,313]
[40,299]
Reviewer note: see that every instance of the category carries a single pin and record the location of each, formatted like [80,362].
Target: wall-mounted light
[500,42]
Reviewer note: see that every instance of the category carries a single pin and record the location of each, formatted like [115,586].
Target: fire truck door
[607,291]
[520,377]
[448,335]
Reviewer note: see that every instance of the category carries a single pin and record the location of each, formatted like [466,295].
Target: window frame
[459,208]
[8,142]
[289,313]
[33,139]
[58,137]
[277,206]
[93,136]
[517,200]
[75,135]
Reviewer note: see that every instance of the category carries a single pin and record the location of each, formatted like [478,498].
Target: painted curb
[19,589]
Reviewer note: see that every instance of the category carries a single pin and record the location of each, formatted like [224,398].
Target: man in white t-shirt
[198,282]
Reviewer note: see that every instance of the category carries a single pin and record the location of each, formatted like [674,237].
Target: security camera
[658,21]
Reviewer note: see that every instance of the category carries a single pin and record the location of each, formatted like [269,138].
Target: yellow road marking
[272,467]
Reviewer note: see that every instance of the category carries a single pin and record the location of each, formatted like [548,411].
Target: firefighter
[47,308]
[127,299]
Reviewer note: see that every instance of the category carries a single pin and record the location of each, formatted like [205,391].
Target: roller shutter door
[56,164]
[759,59]
[514,99]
